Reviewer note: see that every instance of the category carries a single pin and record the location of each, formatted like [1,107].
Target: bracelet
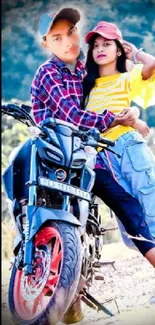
[134,57]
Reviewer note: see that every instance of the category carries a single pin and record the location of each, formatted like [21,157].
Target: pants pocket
[148,201]
[140,156]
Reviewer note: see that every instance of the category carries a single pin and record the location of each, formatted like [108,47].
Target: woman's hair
[93,69]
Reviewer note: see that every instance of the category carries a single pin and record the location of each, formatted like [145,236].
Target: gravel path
[132,285]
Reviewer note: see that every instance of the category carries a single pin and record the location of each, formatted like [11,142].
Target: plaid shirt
[56,92]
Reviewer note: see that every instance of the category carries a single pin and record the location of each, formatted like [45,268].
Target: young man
[56,91]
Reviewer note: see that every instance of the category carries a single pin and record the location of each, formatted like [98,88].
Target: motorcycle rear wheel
[44,297]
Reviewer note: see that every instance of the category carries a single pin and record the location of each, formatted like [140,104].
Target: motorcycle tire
[44,297]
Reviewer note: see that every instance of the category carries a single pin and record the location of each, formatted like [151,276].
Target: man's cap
[46,21]
[105,29]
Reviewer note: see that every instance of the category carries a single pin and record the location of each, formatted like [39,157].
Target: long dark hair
[93,69]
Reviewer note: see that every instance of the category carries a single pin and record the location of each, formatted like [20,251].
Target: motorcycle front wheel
[43,297]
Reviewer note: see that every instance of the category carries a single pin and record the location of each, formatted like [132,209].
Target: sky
[21,49]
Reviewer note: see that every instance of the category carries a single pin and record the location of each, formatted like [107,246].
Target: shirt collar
[79,66]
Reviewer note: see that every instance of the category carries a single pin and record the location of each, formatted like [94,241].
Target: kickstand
[97,303]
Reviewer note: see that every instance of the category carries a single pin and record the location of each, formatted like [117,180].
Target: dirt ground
[132,285]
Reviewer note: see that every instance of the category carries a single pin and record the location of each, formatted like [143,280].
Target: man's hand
[135,111]
[127,117]
[142,127]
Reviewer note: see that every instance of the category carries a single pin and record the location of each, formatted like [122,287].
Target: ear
[44,44]
[119,53]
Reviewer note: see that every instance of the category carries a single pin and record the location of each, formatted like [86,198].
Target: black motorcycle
[49,182]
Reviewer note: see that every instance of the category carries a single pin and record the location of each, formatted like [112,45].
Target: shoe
[74,313]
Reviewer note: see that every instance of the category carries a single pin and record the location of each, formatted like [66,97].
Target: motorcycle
[49,182]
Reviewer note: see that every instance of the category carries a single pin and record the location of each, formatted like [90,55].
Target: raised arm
[146,59]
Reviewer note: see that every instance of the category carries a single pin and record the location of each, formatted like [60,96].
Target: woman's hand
[130,50]
[142,127]
[147,60]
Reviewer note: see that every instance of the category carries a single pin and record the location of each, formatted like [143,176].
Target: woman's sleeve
[142,92]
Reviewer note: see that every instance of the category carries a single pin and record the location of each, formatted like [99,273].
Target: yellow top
[116,92]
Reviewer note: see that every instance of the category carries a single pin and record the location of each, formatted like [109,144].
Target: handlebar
[107,141]
[8,108]
[21,113]
[94,134]
[14,107]
[91,137]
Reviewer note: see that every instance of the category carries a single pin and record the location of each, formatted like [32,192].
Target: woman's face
[104,51]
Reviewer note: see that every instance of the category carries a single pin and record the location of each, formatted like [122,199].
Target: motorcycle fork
[29,248]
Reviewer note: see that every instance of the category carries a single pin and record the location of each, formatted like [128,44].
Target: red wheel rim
[32,293]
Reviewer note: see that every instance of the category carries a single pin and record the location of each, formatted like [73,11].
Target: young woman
[108,85]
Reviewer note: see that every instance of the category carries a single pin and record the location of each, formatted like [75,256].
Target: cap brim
[68,13]
[89,36]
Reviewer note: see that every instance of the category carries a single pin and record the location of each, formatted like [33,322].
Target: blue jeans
[135,172]
[125,206]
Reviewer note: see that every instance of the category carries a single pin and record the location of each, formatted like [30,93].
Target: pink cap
[105,29]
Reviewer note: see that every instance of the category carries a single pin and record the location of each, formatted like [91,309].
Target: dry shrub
[8,235]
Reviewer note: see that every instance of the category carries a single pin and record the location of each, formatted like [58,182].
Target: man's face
[63,41]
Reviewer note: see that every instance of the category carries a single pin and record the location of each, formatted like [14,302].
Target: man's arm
[53,94]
